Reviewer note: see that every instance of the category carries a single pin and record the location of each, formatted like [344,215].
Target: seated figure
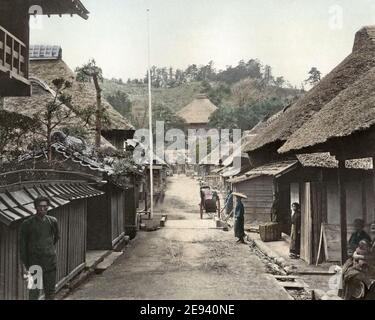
[361,256]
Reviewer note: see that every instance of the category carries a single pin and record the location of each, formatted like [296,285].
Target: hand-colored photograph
[187,150]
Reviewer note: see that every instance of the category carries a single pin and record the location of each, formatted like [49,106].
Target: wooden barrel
[270,232]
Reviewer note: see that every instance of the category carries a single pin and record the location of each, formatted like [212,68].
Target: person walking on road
[239,217]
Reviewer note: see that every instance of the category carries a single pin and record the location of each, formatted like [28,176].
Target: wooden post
[343,219]
[373,181]
[364,198]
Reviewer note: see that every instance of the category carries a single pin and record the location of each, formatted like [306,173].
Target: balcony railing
[14,62]
[13,54]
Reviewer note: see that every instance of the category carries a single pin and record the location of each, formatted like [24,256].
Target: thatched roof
[273,169]
[83,94]
[358,63]
[258,129]
[42,96]
[353,110]
[311,160]
[198,111]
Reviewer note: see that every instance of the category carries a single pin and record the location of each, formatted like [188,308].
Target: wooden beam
[364,198]
[343,218]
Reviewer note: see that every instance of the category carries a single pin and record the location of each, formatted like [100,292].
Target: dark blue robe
[239,212]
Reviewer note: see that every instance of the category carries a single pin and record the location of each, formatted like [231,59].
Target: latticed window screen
[44,52]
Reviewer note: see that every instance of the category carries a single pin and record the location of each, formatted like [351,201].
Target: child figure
[361,255]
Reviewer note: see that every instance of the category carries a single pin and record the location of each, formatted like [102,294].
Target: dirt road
[188,259]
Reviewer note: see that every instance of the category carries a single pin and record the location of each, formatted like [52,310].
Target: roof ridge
[364,38]
[42,84]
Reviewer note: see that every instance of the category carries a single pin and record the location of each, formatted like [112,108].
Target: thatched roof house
[43,95]
[197,113]
[47,65]
[353,68]
[352,111]
[49,68]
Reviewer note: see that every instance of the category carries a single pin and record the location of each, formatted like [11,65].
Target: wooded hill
[249,87]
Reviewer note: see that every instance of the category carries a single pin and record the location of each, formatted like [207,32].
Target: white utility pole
[150,117]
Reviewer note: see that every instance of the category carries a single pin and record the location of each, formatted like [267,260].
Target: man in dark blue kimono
[38,238]
[239,218]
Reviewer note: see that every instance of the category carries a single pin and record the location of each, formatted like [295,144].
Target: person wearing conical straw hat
[239,219]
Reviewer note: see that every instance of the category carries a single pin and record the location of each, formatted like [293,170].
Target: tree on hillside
[161,112]
[217,93]
[243,92]
[314,77]
[244,117]
[206,72]
[121,102]
[90,71]
[280,82]
[179,77]
[191,73]
[254,68]
[250,69]
[223,118]
[268,78]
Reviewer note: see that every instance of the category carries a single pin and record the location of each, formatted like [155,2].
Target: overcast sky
[291,36]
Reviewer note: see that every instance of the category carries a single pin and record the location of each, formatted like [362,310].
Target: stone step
[94,257]
[286,278]
[293,284]
[108,261]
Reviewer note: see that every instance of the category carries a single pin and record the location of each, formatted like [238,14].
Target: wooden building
[273,143]
[107,218]
[224,162]
[46,64]
[106,215]
[42,95]
[310,180]
[159,169]
[132,195]
[259,184]
[68,204]
[344,128]
[15,37]
[275,132]
[314,185]
[159,182]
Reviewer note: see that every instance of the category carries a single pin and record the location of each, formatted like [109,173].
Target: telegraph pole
[150,117]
